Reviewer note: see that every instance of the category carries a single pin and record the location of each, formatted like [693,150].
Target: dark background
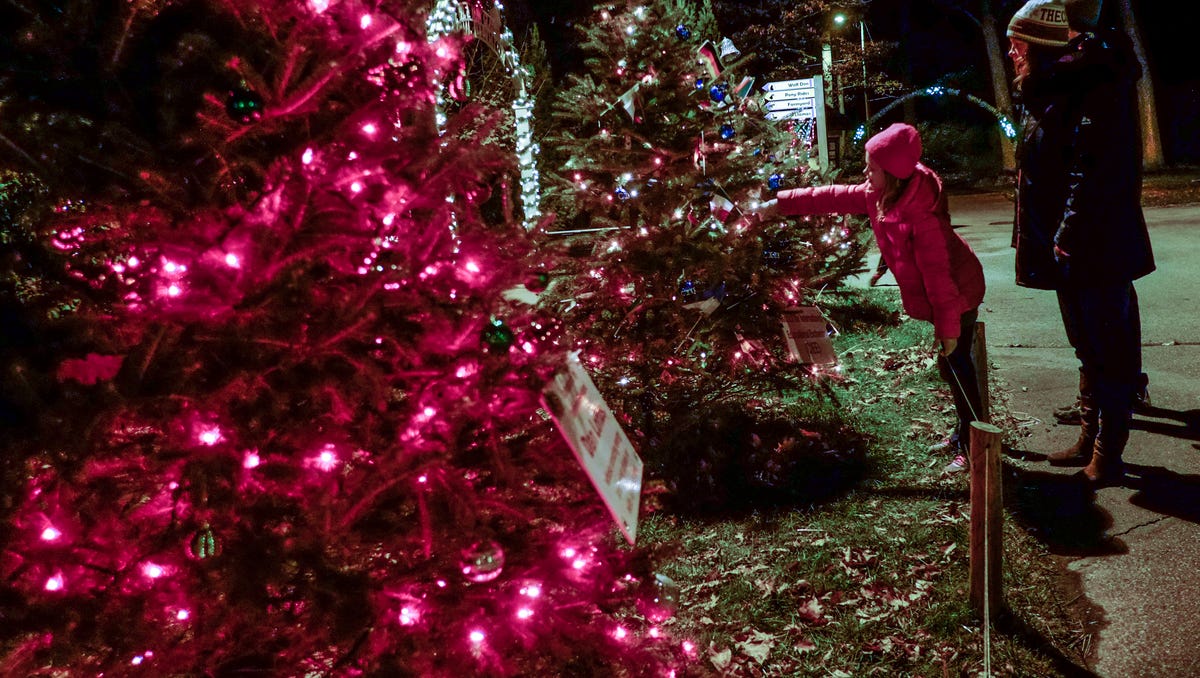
[945,47]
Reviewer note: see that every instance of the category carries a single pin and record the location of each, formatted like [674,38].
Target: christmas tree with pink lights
[276,415]
[663,152]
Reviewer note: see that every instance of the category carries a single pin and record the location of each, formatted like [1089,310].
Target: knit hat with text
[896,149]
[1040,22]
[1082,15]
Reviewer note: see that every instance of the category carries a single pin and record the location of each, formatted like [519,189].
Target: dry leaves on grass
[751,644]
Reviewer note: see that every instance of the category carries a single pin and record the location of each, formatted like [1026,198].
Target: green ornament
[204,544]
[244,104]
[497,336]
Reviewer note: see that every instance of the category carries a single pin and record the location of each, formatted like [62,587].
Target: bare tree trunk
[906,72]
[1152,152]
[991,39]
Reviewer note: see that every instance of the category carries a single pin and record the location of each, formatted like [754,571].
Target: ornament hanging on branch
[482,561]
[243,104]
[203,544]
[683,32]
[497,336]
[658,598]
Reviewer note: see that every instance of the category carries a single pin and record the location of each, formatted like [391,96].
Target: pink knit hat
[896,149]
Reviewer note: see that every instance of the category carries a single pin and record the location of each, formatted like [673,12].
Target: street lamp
[840,20]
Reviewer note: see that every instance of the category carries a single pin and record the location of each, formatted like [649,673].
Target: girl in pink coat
[940,278]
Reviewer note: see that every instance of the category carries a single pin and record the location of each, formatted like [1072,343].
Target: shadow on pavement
[1163,491]
[1188,427]
[1060,511]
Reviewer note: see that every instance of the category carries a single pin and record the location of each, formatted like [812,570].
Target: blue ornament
[775,181]
[777,253]
[717,92]
[688,290]
[621,193]
[682,32]
[727,131]
[699,83]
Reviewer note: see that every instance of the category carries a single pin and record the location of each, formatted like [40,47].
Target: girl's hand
[767,211]
[946,345]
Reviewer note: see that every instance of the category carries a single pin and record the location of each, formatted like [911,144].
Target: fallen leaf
[757,646]
[721,659]
[812,612]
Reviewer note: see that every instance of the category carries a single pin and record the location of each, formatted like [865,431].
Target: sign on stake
[596,439]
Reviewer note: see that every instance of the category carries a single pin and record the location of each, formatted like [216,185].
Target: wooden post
[979,351]
[987,521]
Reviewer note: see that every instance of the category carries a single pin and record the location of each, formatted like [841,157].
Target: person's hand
[1060,254]
[946,345]
[766,211]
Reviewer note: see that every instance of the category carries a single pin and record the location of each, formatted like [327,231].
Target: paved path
[1135,548]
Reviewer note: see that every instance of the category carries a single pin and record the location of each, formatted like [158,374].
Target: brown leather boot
[1106,466]
[1080,453]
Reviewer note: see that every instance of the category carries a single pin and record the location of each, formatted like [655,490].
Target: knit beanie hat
[1082,15]
[1040,22]
[896,149]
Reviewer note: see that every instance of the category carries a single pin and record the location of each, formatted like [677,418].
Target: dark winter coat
[939,276]
[1080,179]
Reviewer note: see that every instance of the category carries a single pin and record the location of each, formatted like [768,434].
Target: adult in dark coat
[1079,228]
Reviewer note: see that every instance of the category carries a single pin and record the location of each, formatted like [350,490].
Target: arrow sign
[796,104]
[779,85]
[799,113]
[784,95]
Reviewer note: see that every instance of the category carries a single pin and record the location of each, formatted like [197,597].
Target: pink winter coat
[940,277]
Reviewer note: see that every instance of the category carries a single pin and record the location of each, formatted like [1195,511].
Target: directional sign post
[802,99]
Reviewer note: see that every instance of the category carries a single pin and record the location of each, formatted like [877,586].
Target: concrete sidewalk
[1136,548]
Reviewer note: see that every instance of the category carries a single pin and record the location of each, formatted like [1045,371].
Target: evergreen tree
[656,156]
[283,420]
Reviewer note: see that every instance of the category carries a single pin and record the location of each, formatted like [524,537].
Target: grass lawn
[873,581]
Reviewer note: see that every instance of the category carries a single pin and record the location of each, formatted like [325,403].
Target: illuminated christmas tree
[677,293]
[279,417]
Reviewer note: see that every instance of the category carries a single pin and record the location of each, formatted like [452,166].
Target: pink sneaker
[958,465]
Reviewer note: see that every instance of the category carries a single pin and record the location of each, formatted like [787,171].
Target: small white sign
[807,335]
[810,83]
[793,105]
[798,114]
[802,94]
[599,444]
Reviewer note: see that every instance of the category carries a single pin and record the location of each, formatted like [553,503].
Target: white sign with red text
[807,335]
[593,434]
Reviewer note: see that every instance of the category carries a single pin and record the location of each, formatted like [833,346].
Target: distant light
[477,636]
[839,19]
[50,534]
